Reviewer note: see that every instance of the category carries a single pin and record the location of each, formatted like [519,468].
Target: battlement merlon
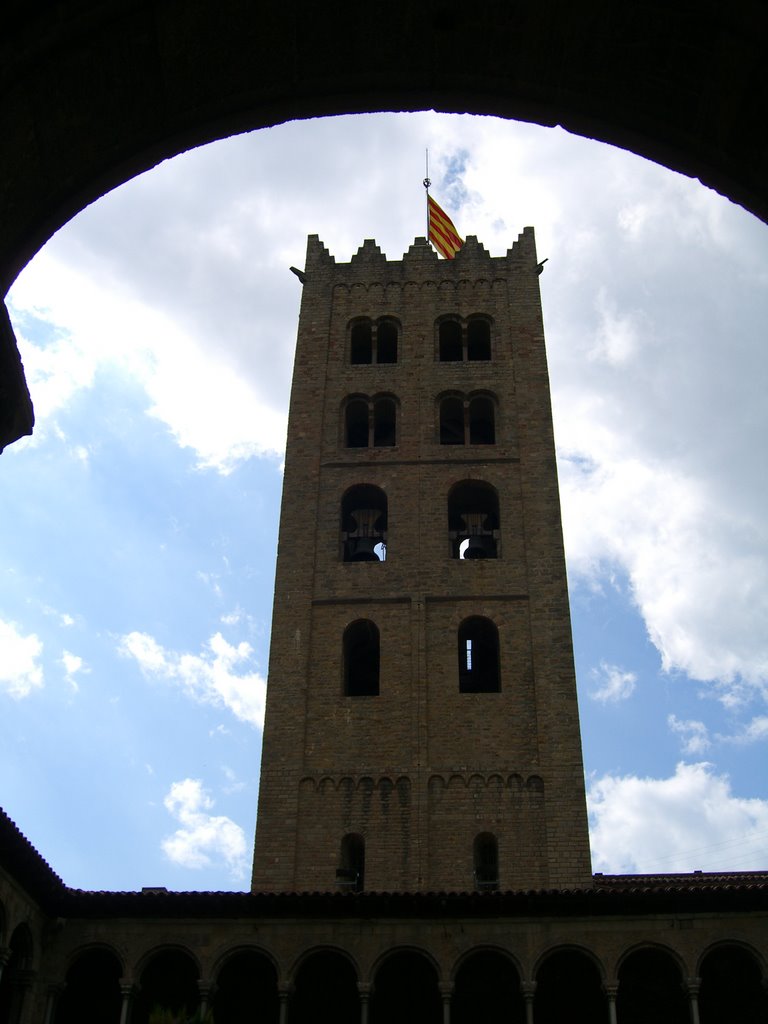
[421,261]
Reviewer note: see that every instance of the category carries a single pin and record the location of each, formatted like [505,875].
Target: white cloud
[73,664]
[202,399]
[615,683]
[20,671]
[687,822]
[203,839]
[753,732]
[209,678]
[695,735]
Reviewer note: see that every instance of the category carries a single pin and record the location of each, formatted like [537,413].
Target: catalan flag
[442,234]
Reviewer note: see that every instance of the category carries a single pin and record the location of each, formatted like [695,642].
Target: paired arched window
[361,659]
[464,341]
[473,520]
[467,419]
[364,524]
[478,656]
[485,857]
[373,341]
[350,874]
[370,422]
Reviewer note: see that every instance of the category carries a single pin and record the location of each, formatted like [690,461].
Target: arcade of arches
[647,984]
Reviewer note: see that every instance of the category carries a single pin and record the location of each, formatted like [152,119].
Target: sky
[137,555]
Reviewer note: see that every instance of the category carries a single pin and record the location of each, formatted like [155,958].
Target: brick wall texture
[421,769]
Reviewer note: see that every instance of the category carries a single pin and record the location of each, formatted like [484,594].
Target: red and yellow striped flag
[442,234]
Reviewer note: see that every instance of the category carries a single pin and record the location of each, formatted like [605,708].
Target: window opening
[361,659]
[478,656]
[473,520]
[364,524]
[478,340]
[350,874]
[384,423]
[450,341]
[386,342]
[482,428]
[361,344]
[486,861]
[356,424]
[452,421]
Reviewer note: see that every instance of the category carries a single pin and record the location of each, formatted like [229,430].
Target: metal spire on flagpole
[427,183]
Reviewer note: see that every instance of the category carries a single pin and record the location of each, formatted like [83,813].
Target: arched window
[452,420]
[386,341]
[458,341]
[481,420]
[356,423]
[364,524]
[361,343]
[473,520]
[350,874]
[361,659]
[370,422]
[384,423]
[371,342]
[450,341]
[485,857]
[478,339]
[467,420]
[478,656]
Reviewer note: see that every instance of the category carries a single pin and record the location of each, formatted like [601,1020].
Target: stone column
[528,988]
[364,989]
[5,956]
[126,991]
[446,991]
[52,996]
[206,989]
[21,982]
[610,995]
[283,994]
[692,986]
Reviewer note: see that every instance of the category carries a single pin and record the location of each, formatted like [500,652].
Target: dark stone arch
[473,517]
[361,659]
[325,990]
[405,990]
[485,860]
[478,656]
[569,987]
[168,979]
[246,989]
[363,524]
[137,84]
[732,987]
[449,340]
[350,874]
[486,990]
[12,985]
[92,991]
[651,989]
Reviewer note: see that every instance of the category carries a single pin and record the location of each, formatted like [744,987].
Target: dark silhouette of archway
[93,97]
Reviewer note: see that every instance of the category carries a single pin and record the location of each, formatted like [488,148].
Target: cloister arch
[140,83]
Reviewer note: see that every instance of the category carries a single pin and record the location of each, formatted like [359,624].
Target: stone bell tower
[422,726]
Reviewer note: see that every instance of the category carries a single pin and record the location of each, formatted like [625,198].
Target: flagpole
[427,183]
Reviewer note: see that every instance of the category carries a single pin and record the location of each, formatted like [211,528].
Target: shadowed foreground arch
[91,101]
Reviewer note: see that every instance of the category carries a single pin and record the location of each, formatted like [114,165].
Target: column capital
[528,988]
[126,989]
[364,989]
[692,986]
[445,988]
[611,988]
